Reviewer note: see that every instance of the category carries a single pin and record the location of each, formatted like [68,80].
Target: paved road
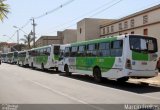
[20,85]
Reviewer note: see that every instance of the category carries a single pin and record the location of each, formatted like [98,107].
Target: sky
[66,17]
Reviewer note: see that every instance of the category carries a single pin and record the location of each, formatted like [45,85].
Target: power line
[57,8]
[23,26]
[84,14]
[102,10]
[106,8]
[11,36]
[49,12]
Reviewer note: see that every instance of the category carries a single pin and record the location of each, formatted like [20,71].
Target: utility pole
[34,25]
[17,36]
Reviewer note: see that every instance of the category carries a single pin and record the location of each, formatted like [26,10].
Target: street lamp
[19,29]
[17,34]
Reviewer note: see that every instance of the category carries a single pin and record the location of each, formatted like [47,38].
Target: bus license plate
[144,63]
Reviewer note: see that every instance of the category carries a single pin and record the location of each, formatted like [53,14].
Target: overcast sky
[21,11]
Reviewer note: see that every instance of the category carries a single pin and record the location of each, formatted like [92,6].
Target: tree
[4,10]
[27,40]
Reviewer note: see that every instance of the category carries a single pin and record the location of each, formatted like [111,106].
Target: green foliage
[4,10]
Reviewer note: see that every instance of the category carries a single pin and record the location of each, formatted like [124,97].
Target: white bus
[45,57]
[61,58]
[117,58]
[12,57]
[23,58]
[4,57]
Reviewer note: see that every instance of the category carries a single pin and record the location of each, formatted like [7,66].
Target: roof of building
[48,37]
[9,44]
[101,21]
[133,15]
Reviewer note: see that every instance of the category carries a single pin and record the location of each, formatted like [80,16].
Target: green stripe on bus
[140,56]
[41,59]
[88,63]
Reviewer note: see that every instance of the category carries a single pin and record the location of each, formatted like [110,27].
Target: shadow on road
[51,71]
[126,86]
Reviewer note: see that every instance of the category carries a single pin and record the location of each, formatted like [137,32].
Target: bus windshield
[143,44]
[56,50]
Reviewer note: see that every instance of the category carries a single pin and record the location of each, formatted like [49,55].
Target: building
[48,40]
[6,47]
[146,22]
[69,36]
[88,28]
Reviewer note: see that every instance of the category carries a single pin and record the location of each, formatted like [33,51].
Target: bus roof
[104,39]
[45,46]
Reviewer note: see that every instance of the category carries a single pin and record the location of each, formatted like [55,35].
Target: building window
[145,19]
[125,24]
[120,33]
[112,28]
[103,31]
[108,29]
[120,26]
[132,23]
[80,30]
[145,32]
[132,32]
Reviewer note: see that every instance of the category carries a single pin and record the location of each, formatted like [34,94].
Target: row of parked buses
[116,58]
[10,57]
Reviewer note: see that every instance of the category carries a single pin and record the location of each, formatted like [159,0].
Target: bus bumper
[142,73]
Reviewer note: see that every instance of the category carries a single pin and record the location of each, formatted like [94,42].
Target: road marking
[66,95]
[95,85]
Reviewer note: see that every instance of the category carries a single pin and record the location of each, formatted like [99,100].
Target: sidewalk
[152,81]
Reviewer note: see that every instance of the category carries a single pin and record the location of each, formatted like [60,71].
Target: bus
[45,57]
[118,58]
[12,57]
[61,57]
[23,57]
[4,57]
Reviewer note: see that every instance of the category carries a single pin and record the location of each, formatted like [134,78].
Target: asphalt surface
[19,85]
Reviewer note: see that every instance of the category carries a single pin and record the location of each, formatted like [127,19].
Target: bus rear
[141,57]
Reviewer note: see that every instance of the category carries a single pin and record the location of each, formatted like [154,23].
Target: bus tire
[42,67]
[97,75]
[32,65]
[56,69]
[124,79]
[67,71]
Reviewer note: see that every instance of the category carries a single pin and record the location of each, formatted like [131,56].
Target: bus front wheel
[67,71]
[32,65]
[42,67]
[97,75]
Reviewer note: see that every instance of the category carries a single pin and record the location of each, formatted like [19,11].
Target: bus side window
[91,50]
[104,49]
[116,48]
[56,50]
[35,53]
[45,51]
[41,51]
[67,52]
[81,51]
[48,51]
[74,51]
